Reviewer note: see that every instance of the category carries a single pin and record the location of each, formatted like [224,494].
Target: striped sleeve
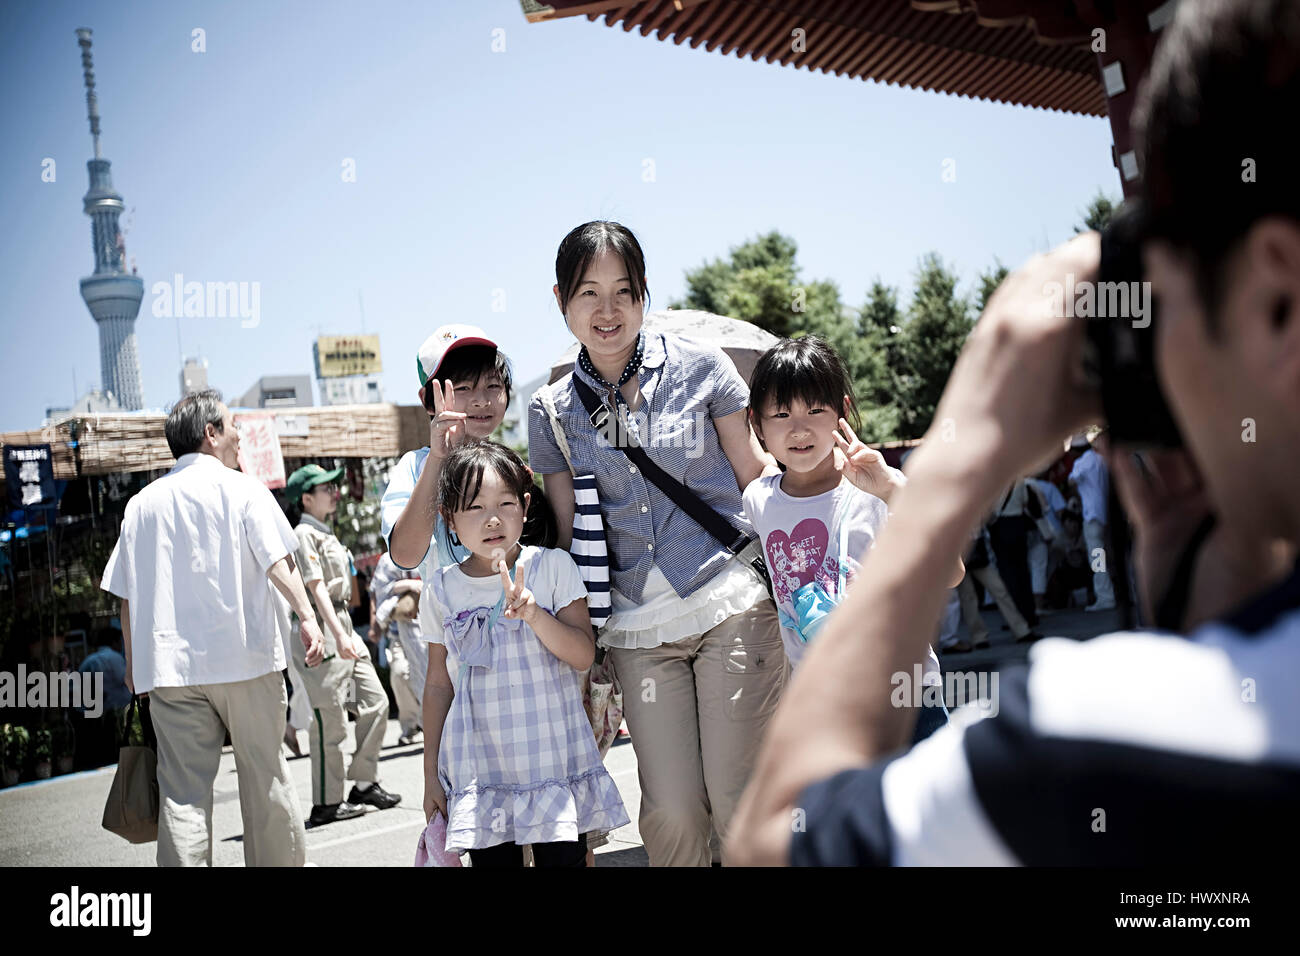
[918,809]
[1126,750]
[589,549]
[841,822]
[1132,749]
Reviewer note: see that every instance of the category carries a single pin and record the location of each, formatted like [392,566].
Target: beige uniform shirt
[322,557]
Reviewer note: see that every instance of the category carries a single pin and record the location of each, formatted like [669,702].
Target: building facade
[278,391]
[194,376]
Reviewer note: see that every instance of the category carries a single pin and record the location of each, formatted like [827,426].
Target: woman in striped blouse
[694,636]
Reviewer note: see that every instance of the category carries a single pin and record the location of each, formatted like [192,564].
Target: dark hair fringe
[807,369]
[470,363]
[462,478]
[586,243]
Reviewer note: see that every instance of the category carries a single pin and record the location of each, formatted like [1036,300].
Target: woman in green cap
[326,567]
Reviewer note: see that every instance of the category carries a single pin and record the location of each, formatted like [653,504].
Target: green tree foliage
[899,359]
[876,361]
[988,283]
[938,321]
[1097,213]
[760,282]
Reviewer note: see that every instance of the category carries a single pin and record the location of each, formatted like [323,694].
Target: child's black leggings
[544,854]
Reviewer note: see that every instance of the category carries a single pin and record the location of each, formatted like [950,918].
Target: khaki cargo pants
[697,710]
[334,687]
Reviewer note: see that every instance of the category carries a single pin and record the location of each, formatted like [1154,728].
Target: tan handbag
[132,808]
[602,698]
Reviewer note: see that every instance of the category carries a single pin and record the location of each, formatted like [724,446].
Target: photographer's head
[1215,122]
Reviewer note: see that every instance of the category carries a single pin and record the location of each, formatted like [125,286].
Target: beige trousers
[970,611]
[334,687]
[191,723]
[697,710]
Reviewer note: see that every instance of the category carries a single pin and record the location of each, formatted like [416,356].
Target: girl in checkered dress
[510,759]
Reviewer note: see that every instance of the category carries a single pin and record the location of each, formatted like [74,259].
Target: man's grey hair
[187,422]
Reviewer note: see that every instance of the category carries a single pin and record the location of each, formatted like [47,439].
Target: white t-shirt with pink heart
[801,541]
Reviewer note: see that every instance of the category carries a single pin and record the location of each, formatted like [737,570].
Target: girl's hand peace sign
[864,466]
[447,427]
[519,602]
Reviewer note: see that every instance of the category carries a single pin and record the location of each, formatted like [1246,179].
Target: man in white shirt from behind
[199,551]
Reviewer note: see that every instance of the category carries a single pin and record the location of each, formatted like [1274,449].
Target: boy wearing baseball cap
[465,387]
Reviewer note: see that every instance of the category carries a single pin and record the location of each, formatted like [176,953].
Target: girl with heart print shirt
[819,517]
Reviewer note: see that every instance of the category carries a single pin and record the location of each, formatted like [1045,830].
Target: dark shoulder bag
[131,810]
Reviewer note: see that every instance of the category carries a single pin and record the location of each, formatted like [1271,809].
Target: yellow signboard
[338,355]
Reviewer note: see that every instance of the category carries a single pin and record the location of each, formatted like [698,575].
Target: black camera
[1121,318]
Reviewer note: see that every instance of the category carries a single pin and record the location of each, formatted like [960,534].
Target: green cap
[308,477]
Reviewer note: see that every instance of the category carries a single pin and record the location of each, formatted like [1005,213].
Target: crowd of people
[762,575]
[1032,557]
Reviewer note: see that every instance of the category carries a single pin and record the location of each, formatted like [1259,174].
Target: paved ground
[56,822]
[1078,625]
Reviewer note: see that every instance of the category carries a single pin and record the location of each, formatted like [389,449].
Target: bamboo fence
[126,442]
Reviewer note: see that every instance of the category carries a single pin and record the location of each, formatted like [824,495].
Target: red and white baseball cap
[436,347]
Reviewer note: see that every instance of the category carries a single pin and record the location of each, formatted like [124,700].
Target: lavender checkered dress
[518,759]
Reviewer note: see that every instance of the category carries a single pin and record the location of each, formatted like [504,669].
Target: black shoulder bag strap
[727,534]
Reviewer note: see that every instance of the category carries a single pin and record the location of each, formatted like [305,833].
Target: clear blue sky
[471,166]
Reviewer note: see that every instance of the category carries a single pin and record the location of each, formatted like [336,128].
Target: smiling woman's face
[604,314]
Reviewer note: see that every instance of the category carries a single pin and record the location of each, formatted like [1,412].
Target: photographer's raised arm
[1014,394]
